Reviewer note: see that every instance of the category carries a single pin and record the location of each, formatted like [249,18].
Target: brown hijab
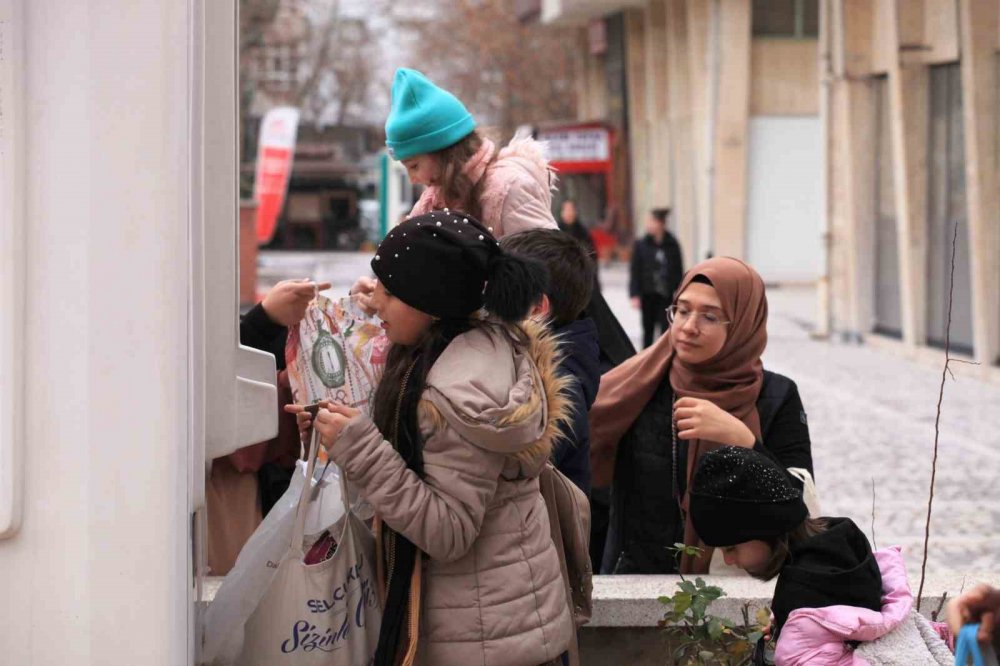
[732,379]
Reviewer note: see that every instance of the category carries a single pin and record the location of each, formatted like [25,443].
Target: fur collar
[527,419]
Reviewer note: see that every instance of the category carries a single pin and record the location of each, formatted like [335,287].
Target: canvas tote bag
[320,614]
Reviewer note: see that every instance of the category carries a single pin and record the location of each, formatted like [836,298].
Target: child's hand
[980,604]
[636,303]
[304,419]
[286,303]
[331,421]
[703,419]
[362,292]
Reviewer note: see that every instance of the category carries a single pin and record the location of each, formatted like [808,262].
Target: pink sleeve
[804,641]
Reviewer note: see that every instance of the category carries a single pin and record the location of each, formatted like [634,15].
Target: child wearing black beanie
[744,504]
[464,418]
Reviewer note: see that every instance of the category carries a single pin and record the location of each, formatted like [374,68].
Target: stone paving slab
[871,417]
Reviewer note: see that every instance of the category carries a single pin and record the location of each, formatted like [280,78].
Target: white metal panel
[11,265]
[240,398]
[786,202]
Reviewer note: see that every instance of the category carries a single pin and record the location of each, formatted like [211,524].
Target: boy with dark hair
[571,279]
[655,273]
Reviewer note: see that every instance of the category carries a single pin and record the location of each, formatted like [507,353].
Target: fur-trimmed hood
[500,394]
[528,156]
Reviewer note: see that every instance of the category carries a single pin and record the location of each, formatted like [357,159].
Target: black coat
[657,268]
[581,361]
[833,568]
[645,518]
[615,345]
[258,331]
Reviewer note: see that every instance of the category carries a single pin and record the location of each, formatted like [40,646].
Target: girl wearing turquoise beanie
[435,137]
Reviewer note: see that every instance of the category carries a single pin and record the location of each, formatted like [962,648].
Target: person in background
[571,278]
[656,270]
[701,386]
[569,221]
[835,602]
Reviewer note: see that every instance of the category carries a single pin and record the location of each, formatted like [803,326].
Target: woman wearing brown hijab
[702,385]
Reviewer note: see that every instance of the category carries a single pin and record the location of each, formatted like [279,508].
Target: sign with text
[583,144]
[274,167]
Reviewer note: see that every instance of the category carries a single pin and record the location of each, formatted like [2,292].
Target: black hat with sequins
[740,495]
[448,265]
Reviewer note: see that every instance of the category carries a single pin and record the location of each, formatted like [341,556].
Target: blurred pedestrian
[656,270]
[569,221]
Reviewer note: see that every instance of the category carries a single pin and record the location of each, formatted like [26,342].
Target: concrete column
[909,115]
[729,146]
[979,25]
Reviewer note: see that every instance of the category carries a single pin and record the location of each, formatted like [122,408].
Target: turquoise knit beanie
[423,117]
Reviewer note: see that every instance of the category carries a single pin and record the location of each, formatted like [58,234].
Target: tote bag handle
[306,493]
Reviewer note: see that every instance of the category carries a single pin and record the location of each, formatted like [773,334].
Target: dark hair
[660,214]
[781,547]
[456,186]
[391,394]
[570,269]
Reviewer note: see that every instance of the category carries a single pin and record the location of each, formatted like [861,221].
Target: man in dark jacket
[656,271]
[571,279]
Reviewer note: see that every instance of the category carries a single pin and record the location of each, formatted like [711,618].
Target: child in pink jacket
[430,131]
[835,602]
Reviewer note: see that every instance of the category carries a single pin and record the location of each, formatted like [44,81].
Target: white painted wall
[785,205]
[98,572]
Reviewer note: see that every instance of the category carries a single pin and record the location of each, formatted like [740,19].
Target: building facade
[844,143]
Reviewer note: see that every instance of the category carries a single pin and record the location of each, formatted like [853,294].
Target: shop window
[786,18]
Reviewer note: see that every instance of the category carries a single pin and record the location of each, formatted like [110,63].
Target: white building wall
[785,205]
[98,572]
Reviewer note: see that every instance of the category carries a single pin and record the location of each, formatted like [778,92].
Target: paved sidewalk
[871,417]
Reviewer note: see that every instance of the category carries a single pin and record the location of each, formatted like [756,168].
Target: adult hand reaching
[286,303]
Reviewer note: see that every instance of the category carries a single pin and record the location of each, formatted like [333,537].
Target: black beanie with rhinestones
[739,495]
[448,265]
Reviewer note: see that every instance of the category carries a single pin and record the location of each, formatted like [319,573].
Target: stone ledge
[631,601]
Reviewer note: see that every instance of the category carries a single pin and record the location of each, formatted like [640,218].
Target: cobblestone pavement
[871,418]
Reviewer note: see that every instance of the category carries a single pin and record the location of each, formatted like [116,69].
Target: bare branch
[937,419]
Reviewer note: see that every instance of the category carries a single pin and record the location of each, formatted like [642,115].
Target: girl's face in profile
[699,325]
[751,556]
[404,325]
[422,169]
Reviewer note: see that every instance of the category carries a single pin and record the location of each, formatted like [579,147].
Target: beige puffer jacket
[492,589]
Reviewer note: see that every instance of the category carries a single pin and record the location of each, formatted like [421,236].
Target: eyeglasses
[704,321]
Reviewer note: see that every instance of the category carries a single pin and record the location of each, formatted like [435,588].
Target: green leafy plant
[703,638]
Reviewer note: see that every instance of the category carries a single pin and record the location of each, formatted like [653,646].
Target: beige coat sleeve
[441,513]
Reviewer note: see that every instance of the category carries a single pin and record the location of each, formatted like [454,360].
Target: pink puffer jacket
[516,189]
[819,636]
